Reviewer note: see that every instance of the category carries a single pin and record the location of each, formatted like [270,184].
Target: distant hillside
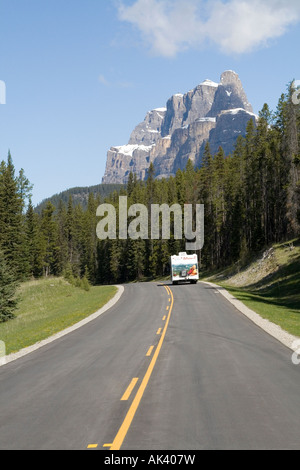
[80,195]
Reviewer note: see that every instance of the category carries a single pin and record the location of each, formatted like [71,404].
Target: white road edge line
[274,330]
[23,352]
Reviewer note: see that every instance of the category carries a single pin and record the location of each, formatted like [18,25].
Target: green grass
[47,307]
[270,287]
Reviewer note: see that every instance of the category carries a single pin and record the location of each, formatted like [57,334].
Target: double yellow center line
[119,439]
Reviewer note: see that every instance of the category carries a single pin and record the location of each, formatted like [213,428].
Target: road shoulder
[274,330]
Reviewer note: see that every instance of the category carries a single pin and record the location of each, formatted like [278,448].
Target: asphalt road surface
[167,368]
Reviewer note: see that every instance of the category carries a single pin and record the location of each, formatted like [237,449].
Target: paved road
[167,368]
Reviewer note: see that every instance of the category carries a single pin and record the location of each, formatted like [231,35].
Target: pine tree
[115,261]
[130,256]
[88,239]
[291,148]
[33,242]
[8,286]
[235,201]
[190,184]
[24,188]
[62,238]
[180,185]
[85,281]
[103,262]
[49,241]
[264,181]
[250,185]
[12,238]
[205,181]
[130,184]
[70,230]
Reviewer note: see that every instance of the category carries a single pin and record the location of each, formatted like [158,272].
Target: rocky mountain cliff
[212,112]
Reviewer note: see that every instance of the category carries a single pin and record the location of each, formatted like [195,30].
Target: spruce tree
[12,237]
[8,286]
[88,239]
[235,201]
[62,238]
[49,240]
[33,242]
[205,182]
[291,147]
[24,188]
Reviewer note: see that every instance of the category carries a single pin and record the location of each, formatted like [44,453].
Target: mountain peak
[209,82]
[230,94]
[229,75]
[171,135]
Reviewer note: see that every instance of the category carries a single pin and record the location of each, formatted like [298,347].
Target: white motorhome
[184,267]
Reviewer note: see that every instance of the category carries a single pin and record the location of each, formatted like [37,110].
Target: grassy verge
[270,285]
[48,306]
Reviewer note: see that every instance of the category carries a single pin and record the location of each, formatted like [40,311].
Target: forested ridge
[80,195]
[251,199]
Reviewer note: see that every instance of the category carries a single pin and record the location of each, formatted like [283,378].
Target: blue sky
[80,75]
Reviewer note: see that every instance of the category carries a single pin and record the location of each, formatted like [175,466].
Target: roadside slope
[50,308]
[269,285]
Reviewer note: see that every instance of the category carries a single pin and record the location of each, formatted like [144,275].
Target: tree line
[251,199]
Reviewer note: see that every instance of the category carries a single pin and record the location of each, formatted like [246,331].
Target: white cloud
[168,26]
[235,26]
[240,26]
[103,80]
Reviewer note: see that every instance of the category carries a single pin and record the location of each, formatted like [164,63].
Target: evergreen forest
[251,199]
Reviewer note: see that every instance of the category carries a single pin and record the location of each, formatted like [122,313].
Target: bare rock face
[229,125]
[212,112]
[121,161]
[230,95]
[185,143]
[148,132]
